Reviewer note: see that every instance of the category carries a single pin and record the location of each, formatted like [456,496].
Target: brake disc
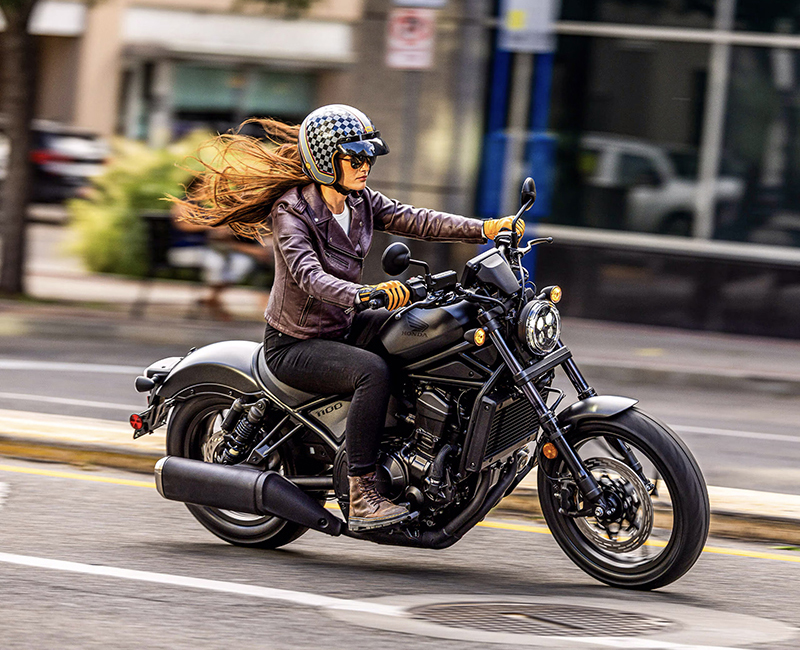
[631,529]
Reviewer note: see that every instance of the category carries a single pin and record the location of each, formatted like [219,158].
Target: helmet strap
[336,184]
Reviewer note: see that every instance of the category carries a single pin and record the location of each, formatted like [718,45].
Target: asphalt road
[99,560]
[742,440]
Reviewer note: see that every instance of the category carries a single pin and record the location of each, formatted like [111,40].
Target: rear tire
[194,432]
[638,562]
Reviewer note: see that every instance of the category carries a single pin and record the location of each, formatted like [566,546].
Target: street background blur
[662,134]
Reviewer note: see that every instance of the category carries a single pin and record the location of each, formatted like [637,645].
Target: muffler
[242,489]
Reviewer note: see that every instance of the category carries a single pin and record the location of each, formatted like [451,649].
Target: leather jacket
[318,267]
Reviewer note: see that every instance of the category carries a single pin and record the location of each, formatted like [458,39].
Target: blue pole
[542,85]
[491,175]
[541,148]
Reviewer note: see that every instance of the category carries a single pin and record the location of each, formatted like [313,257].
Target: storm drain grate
[542,620]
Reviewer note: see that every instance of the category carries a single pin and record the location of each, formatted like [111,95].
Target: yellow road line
[498,525]
[73,475]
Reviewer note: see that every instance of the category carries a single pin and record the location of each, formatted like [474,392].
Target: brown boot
[368,509]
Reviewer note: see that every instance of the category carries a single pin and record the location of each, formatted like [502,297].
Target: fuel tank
[417,332]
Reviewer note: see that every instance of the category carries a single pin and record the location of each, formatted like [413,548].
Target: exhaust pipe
[243,489]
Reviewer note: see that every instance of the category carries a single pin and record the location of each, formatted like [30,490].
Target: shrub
[108,231]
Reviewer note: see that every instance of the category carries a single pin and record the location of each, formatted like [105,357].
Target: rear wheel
[195,432]
[660,516]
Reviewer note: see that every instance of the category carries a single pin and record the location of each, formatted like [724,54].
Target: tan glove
[494,226]
[394,293]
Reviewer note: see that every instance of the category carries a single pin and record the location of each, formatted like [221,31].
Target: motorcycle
[473,411]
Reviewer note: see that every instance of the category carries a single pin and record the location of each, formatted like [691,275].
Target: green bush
[108,231]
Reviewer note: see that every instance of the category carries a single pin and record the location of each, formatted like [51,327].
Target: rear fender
[227,364]
[224,368]
[593,408]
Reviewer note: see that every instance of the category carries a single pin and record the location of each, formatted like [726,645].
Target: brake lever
[534,242]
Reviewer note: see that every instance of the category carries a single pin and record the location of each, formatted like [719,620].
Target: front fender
[227,363]
[599,406]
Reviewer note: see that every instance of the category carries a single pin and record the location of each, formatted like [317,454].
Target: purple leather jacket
[318,267]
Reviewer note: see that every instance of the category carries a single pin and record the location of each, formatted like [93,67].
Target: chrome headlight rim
[540,326]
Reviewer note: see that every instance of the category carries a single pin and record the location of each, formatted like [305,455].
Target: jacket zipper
[306,309]
[336,258]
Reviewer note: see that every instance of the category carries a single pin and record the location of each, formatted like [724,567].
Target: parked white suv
[654,196]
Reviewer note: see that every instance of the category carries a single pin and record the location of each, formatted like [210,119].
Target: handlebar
[419,287]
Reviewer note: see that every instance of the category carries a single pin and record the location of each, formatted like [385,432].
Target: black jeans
[330,367]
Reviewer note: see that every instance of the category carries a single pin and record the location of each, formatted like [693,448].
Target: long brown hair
[241,177]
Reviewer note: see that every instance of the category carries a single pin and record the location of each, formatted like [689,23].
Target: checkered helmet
[333,129]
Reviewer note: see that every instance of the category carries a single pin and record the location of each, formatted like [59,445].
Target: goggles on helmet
[357,161]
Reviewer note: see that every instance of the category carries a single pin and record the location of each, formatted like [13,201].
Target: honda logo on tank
[410,39]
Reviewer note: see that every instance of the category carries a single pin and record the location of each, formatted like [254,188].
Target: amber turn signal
[136,421]
[480,337]
[555,294]
[549,450]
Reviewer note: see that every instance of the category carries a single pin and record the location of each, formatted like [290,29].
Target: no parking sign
[410,38]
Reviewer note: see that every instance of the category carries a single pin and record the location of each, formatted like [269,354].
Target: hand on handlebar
[492,227]
[392,295]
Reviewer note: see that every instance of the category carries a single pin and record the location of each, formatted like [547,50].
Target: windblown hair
[241,178]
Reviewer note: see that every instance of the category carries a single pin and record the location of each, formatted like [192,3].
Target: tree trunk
[17,112]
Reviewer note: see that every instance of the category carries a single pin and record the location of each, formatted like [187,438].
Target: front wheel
[660,517]
[195,432]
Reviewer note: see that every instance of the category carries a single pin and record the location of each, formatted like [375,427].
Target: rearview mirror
[396,258]
[527,196]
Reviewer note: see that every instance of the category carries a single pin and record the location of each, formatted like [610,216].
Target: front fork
[586,482]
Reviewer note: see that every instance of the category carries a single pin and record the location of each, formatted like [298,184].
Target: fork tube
[586,482]
[576,377]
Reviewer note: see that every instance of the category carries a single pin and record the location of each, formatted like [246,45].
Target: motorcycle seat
[290,396]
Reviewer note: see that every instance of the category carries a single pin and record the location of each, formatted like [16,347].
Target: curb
[524,502]
[669,375]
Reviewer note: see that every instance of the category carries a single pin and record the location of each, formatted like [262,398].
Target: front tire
[194,432]
[650,546]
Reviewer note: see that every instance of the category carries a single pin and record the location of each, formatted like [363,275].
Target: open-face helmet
[336,129]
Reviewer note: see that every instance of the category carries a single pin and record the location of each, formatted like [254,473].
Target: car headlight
[540,326]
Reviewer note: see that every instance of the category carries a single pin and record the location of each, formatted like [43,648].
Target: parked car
[652,185]
[65,158]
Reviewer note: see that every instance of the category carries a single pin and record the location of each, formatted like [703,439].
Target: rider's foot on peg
[368,509]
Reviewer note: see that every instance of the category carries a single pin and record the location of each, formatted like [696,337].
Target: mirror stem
[424,265]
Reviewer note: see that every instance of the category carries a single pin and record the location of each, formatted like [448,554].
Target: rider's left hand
[493,226]
[396,292]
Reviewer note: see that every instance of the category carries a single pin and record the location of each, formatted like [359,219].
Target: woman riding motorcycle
[311,193]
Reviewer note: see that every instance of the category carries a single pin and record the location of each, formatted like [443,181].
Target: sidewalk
[74,303]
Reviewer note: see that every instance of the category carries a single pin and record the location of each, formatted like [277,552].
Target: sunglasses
[357,160]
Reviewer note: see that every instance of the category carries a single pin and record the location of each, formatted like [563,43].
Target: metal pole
[713,123]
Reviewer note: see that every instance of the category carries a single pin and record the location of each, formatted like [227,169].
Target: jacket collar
[322,218]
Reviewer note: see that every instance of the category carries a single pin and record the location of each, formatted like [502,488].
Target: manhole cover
[543,620]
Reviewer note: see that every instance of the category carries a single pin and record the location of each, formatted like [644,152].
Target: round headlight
[540,325]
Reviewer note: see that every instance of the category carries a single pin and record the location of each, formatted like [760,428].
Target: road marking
[3,493]
[270,593]
[306,599]
[498,525]
[732,433]
[75,476]
[59,366]
[67,401]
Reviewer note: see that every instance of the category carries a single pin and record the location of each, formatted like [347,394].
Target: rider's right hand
[493,226]
[394,294]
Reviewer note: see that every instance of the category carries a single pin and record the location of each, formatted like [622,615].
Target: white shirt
[343,218]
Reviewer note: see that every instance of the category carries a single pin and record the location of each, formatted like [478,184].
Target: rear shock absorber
[238,442]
